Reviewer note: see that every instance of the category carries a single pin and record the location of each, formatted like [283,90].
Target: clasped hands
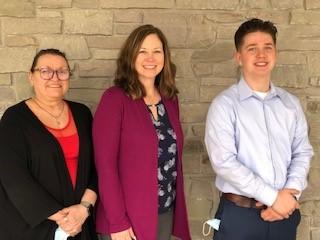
[283,207]
[70,219]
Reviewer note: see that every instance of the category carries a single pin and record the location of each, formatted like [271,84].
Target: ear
[30,77]
[237,58]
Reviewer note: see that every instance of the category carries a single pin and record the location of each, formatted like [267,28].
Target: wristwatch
[88,206]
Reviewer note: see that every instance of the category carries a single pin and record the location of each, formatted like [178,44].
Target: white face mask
[213,223]
[60,234]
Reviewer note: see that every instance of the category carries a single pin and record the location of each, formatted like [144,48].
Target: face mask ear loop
[203,229]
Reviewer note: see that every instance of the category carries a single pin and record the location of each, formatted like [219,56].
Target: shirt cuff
[267,196]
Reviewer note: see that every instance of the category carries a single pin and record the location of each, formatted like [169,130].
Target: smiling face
[257,56]
[53,89]
[150,59]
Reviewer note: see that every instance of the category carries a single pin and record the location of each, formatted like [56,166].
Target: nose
[261,53]
[55,76]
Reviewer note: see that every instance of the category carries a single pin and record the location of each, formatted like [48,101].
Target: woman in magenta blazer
[138,145]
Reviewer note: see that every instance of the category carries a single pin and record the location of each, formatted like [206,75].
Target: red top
[69,141]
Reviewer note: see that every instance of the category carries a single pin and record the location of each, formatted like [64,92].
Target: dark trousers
[238,223]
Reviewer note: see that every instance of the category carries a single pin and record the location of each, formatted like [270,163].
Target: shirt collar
[245,91]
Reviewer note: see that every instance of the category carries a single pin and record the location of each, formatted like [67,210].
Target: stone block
[299,44]
[220,51]
[304,229]
[313,61]
[208,4]
[19,41]
[226,69]
[5,79]
[257,4]
[223,17]
[202,69]
[172,25]
[290,57]
[17,8]
[75,47]
[287,4]
[312,4]
[222,81]
[86,4]
[97,68]
[31,25]
[193,145]
[45,13]
[298,32]
[226,31]
[315,234]
[314,81]
[206,167]
[313,106]
[208,93]
[202,188]
[315,163]
[276,16]
[182,59]
[112,42]
[88,22]
[7,94]
[125,28]
[128,16]
[199,208]
[305,17]
[95,83]
[193,112]
[137,4]
[202,33]
[85,95]
[16,59]
[54,4]
[188,90]
[191,163]
[197,130]
[290,76]
[104,53]
[315,222]
[22,85]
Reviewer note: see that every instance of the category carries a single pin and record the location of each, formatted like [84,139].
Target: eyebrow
[254,44]
[153,48]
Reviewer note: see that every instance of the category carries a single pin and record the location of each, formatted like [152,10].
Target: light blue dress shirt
[258,146]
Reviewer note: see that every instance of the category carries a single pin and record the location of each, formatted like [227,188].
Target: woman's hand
[127,234]
[75,216]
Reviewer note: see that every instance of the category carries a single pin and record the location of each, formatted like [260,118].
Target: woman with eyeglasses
[48,182]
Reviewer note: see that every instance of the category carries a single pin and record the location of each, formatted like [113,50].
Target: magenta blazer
[126,155]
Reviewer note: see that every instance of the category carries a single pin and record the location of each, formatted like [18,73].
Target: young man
[257,140]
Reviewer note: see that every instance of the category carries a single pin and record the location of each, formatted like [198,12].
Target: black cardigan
[34,179]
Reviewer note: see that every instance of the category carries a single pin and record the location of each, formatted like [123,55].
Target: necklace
[52,115]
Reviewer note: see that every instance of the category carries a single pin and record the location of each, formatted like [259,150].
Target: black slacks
[238,223]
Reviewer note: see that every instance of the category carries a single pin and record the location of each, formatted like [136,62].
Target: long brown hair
[126,76]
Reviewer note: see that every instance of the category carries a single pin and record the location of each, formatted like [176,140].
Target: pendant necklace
[52,115]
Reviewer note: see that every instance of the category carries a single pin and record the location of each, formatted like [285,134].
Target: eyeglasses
[48,73]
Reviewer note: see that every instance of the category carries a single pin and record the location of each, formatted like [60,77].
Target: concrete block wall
[200,34]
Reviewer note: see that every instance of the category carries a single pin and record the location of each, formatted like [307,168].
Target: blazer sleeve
[30,199]
[106,138]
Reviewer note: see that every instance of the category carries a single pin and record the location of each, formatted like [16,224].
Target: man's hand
[285,202]
[270,215]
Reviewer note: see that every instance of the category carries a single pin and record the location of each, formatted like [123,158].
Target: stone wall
[200,33]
